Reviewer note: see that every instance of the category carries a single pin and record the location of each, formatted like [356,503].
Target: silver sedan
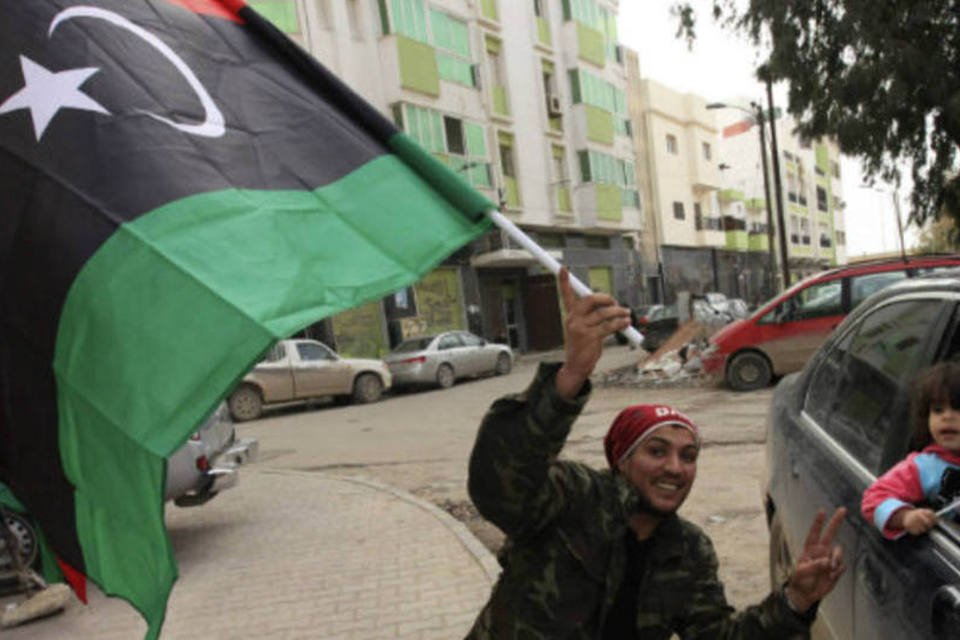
[442,359]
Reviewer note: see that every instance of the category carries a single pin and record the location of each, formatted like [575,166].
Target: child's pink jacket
[913,480]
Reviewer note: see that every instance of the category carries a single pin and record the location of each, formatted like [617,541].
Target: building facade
[526,99]
[707,226]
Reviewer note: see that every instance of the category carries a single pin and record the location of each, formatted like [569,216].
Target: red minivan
[784,332]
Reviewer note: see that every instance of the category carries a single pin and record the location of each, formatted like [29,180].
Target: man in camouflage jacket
[568,526]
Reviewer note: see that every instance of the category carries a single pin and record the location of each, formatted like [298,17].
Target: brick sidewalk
[292,554]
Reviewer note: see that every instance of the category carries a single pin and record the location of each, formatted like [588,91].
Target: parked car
[832,430]
[301,371]
[643,314]
[205,465]
[444,358]
[782,334]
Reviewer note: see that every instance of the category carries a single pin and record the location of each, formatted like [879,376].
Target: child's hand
[919,521]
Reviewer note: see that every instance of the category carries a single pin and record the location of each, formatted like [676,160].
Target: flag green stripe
[177,305]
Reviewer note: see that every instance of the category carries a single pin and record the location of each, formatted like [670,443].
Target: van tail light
[417,360]
[202,463]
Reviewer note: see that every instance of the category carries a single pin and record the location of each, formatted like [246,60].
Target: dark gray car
[837,425]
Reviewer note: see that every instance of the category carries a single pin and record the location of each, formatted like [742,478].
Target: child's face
[945,425]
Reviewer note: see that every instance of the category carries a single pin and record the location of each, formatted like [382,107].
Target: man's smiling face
[662,469]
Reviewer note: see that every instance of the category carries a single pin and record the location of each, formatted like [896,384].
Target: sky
[720,68]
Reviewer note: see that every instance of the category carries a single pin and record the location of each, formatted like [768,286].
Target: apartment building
[526,100]
[811,188]
[707,227]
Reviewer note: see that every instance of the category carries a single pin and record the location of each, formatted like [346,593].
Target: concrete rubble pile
[676,362]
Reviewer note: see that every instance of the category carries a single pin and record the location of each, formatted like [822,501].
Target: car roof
[886,264]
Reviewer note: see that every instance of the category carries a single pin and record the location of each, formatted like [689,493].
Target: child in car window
[906,498]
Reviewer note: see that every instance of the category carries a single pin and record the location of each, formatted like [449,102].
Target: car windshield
[414,344]
[667,311]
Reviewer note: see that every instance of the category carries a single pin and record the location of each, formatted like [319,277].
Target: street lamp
[757,114]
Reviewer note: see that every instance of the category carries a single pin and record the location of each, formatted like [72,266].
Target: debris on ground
[676,362]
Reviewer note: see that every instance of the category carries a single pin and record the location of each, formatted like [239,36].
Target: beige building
[706,224]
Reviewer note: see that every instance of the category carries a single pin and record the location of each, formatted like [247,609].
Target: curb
[474,547]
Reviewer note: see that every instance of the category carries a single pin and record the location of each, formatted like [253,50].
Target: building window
[678,213]
[822,199]
[835,169]
[451,37]
[283,14]
[707,153]
[460,144]
[671,144]
[697,216]
[453,128]
[549,240]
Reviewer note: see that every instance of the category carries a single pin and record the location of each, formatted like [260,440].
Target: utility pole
[771,256]
[778,186]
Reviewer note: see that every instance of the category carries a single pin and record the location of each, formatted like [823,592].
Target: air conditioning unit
[553,105]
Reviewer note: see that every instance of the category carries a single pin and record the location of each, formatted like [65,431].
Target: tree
[940,236]
[882,77]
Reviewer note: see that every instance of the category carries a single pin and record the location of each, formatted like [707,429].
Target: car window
[449,341]
[414,344]
[883,354]
[816,301]
[275,354]
[861,287]
[311,351]
[471,340]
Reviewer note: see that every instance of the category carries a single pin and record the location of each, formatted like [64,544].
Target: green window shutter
[384,17]
[547,66]
[493,45]
[455,70]
[585,173]
[476,140]
[282,13]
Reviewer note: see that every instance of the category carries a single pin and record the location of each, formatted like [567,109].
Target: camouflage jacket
[564,558]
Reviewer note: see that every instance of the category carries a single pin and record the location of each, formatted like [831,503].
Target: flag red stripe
[737,128]
[76,580]
[220,8]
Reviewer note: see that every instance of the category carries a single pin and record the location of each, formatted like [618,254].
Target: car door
[797,327]
[319,372]
[480,358]
[911,587]
[855,409]
[451,350]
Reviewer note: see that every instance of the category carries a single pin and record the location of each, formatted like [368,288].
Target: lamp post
[757,114]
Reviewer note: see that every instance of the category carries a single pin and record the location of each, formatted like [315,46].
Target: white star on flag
[45,92]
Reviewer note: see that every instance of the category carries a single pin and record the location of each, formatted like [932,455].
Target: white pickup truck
[298,371]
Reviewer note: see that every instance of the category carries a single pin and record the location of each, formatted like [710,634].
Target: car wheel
[748,371]
[781,564]
[25,538]
[445,376]
[245,403]
[367,388]
[503,365]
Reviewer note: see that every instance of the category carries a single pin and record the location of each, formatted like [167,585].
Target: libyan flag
[181,186]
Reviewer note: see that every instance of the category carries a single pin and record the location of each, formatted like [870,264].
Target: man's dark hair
[937,384]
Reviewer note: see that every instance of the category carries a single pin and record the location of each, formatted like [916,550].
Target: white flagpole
[551,264]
